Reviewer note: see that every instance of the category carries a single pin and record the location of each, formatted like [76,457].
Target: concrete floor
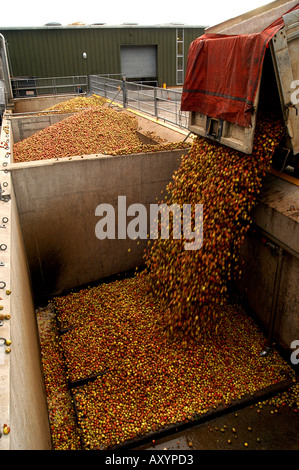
[254,427]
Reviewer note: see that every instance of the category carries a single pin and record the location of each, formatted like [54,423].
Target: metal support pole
[54,86]
[124,88]
[7,78]
[188,135]
[118,91]
[155,102]
[273,313]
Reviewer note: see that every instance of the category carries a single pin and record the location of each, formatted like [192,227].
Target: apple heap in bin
[95,130]
[77,104]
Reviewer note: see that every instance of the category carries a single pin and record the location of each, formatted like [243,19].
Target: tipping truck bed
[225,68]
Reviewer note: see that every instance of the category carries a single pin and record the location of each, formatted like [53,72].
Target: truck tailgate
[285,55]
[219,85]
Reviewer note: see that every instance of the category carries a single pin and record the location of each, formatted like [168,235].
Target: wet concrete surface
[255,427]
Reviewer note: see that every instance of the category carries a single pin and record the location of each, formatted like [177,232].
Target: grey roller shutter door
[138,61]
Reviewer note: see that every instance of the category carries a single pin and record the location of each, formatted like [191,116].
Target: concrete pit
[48,210]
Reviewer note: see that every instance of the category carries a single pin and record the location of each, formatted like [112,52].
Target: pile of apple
[97,130]
[92,131]
[62,419]
[194,283]
[76,104]
[143,381]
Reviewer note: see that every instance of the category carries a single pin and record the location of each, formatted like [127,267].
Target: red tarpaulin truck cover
[223,73]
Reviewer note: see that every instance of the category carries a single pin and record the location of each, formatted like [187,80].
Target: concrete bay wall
[25,122]
[276,223]
[39,103]
[23,404]
[57,200]
[29,416]
[26,126]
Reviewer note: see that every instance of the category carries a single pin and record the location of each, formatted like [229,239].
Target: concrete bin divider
[57,200]
[276,219]
[23,405]
[26,126]
[5,278]
[39,103]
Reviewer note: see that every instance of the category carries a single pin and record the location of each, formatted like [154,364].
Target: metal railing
[162,103]
[35,86]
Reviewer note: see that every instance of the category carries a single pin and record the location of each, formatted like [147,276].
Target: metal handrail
[162,103]
[53,85]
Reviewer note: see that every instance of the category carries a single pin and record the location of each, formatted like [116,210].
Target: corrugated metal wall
[57,51]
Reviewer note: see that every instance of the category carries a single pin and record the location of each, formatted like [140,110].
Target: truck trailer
[234,70]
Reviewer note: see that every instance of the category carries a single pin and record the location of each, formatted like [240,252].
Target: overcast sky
[152,12]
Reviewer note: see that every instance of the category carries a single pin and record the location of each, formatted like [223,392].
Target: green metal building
[147,53]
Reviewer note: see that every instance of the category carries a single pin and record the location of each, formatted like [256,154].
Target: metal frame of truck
[284,47]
